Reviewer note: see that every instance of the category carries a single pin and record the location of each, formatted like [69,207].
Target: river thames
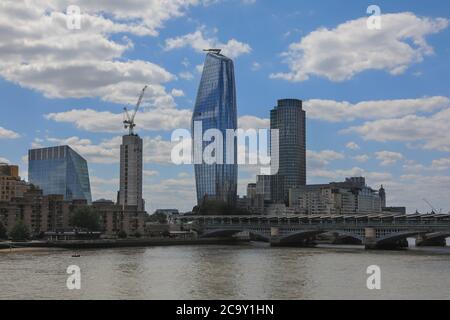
[249,271]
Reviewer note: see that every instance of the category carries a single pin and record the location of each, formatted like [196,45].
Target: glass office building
[215,108]
[60,170]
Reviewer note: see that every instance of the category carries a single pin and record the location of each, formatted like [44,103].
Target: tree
[20,231]
[158,217]
[210,207]
[122,234]
[85,218]
[3,234]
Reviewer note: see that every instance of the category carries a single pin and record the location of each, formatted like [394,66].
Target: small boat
[76,255]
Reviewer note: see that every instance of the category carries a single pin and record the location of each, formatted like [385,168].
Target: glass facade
[60,170]
[290,119]
[215,108]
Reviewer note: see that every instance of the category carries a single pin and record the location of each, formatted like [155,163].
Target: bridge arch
[300,237]
[231,232]
[348,234]
[396,236]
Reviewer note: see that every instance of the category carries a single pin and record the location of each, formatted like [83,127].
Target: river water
[249,271]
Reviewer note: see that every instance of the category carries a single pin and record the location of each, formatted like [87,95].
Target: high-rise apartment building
[60,171]
[130,192]
[215,108]
[290,119]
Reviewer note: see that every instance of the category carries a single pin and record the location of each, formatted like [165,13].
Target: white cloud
[252,122]
[361,158]
[441,164]
[39,51]
[198,42]
[177,93]
[161,194]
[334,111]
[199,68]
[256,66]
[8,134]
[186,75]
[430,132]
[4,160]
[374,178]
[151,173]
[156,149]
[152,119]
[388,158]
[352,146]
[339,54]
[436,165]
[320,159]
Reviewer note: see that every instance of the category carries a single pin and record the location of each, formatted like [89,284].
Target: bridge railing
[334,223]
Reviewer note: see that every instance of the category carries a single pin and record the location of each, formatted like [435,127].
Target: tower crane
[129,121]
[431,206]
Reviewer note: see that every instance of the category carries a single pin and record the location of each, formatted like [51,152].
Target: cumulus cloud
[156,149]
[198,42]
[39,51]
[177,93]
[252,122]
[388,158]
[352,146]
[335,111]
[436,165]
[340,53]
[186,75]
[362,158]
[8,134]
[318,160]
[431,133]
[151,119]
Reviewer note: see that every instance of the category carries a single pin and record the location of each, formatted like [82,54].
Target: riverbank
[122,243]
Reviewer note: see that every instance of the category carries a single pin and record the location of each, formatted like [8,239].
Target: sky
[377,100]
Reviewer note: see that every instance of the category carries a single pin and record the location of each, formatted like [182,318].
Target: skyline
[408,92]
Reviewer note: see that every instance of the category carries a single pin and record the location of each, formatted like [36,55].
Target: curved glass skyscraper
[215,108]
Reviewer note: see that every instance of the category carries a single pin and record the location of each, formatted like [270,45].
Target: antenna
[216,51]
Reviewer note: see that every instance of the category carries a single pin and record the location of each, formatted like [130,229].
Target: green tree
[157,217]
[3,234]
[211,207]
[20,231]
[122,234]
[86,218]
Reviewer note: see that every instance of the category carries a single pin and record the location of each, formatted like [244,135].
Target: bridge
[374,231]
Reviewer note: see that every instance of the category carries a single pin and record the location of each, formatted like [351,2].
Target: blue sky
[377,101]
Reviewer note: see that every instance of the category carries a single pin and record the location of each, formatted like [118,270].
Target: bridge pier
[370,241]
